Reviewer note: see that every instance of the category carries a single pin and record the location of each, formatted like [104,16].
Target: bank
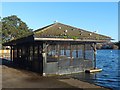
[17,78]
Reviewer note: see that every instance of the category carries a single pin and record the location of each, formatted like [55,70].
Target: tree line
[12,28]
[118,44]
[110,45]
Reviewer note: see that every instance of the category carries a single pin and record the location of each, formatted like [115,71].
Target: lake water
[108,60]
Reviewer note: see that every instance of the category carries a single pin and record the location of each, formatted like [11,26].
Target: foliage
[110,45]
[13,27]
[65,37]
[118,44]
[74,37]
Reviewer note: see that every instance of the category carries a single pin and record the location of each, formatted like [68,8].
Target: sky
[91,16]
[60,0]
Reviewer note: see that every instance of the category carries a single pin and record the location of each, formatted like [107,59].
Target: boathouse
[56,49]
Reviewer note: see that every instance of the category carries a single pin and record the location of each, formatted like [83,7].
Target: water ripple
[110,76]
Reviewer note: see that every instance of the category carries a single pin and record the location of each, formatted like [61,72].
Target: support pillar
[94,49]
[44,55]
[64,50]
[84,51]
[76,51]
[17,60]
[11,53]
[71,54]
[58,51]
[32,56]
[58,54]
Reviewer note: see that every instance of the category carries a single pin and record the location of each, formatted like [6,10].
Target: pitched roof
[59,30]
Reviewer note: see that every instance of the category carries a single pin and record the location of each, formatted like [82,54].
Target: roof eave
[76,40]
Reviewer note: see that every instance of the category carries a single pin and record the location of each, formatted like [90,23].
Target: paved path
[15,78]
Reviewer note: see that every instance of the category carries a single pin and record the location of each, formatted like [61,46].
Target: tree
[13,28]
[118,44]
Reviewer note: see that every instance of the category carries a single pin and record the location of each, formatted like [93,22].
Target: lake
[108,60]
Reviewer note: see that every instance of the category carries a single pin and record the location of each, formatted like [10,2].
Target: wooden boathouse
[56,49]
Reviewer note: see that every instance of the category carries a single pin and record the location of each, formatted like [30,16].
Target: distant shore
[15,78]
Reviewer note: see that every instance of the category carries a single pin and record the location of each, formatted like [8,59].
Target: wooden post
[11,54]
[44,58]
[38,53]
[14,54]
[27,55]
[64,50]
[33,57]
[58,54]
[17,60]
[70,54]
[58,50]
[94,48]
[50,49]
[84,51]
[76,51]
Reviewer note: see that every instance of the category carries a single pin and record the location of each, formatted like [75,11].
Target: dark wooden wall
[29,56]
